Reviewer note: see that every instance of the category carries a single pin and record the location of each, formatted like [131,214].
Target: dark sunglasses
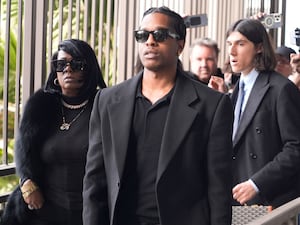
[159,35]
[61,64]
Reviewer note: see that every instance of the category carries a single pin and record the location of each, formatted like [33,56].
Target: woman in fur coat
[52,141]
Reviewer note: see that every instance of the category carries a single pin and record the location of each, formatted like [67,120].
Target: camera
[196,21]
[272,21]
[296,37]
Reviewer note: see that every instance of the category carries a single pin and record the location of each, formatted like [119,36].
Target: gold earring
[56,83]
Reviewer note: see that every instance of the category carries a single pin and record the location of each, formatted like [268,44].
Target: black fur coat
[41,110]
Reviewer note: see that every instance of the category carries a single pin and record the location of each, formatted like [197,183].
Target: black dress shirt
[138,197]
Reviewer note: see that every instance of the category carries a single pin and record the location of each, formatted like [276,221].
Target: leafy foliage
[7,183]
[12,60]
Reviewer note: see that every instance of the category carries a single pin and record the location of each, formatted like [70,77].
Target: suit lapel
[256,96]
[121,125]
[176,126]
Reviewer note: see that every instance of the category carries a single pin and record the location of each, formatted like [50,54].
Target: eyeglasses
[61,64]
[159,35]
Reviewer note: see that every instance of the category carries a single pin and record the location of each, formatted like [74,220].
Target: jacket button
[258,130]
[253,156]
[233,157]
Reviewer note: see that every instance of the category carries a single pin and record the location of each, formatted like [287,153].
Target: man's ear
[259,48]
[180,46]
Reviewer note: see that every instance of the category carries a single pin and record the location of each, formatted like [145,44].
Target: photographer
[283,59]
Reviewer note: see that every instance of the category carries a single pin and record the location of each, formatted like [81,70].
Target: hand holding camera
[271,21]
[195,20]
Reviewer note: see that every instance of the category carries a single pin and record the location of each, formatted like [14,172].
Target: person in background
[204,54]
[159,144]
[283,59]
[266,137]
[52,141]
[288,64]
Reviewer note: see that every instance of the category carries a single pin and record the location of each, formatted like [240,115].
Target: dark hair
[255,32]
[177,23]
[81,50]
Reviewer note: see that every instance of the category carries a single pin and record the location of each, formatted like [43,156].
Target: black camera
[196,21]
[272,21]
[296,37]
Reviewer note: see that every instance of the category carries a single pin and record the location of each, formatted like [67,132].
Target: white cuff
[254,185]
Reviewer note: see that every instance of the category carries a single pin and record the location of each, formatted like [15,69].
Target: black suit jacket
[267,144]
[193,183]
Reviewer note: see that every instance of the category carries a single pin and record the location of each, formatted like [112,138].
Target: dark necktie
[238,107]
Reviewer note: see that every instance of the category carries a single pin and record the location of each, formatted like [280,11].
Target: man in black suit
[160,146]
[266,133]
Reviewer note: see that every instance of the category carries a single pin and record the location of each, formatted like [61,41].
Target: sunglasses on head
[159,35]
[61,64]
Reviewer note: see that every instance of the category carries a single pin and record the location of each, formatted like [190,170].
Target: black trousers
[51,214]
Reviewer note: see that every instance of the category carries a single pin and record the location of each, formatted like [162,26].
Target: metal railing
[5,170]
[286,214]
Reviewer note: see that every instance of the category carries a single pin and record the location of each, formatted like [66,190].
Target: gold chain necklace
[65,125]
[74,106]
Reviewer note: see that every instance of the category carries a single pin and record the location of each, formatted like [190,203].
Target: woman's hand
[32,195]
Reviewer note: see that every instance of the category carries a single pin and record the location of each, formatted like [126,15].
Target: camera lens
[269,21]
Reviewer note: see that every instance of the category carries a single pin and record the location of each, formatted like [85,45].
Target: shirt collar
[166,97]
[250,78]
